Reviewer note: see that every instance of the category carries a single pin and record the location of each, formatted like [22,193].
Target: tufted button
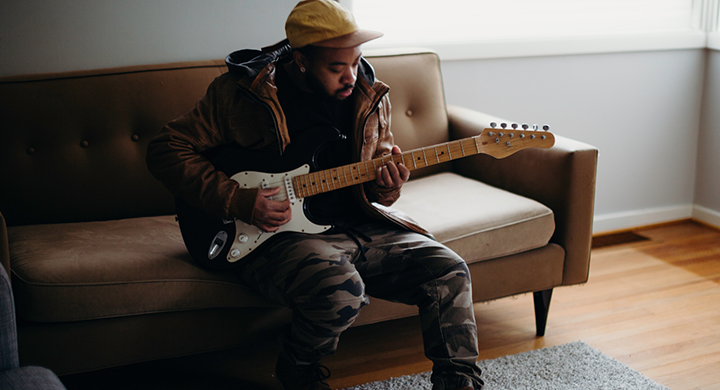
[135,138]
[84,144]
[31,150]
[409,113]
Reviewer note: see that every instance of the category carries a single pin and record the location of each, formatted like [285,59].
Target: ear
[301,61]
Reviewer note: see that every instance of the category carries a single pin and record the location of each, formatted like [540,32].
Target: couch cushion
[79,271]
[474,219]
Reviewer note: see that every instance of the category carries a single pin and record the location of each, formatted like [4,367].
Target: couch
[99,270]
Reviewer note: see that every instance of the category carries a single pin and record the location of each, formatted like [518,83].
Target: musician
[317,78]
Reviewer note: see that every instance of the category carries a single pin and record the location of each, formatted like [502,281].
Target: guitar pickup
[289,189]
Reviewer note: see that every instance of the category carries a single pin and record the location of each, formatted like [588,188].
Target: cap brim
[350,40]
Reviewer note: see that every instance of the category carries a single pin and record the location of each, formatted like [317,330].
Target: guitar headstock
[505,140]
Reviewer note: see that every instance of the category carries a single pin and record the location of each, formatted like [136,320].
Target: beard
[317,87]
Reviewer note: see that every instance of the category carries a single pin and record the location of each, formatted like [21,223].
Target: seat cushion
[91,270]
[477,221]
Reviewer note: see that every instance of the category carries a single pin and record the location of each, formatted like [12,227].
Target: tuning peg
[546,127]
[514,125]
[524,126]
[535,127]
[493,125]
[503,125]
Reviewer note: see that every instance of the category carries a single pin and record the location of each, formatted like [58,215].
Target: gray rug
[564,367]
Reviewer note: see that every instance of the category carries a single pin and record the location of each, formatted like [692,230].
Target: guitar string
[320,187]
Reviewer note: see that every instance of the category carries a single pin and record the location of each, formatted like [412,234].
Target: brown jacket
[242,107]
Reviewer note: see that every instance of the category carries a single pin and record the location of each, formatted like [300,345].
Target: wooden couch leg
[542,306]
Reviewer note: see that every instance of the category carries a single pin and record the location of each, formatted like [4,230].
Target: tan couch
[100,273]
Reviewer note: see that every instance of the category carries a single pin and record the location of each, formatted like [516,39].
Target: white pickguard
[249,237]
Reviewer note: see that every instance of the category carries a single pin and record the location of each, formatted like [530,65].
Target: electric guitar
[217,243]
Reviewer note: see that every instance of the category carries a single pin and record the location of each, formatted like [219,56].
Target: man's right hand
[269,214]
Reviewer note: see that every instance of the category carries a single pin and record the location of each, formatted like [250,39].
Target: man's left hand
[392,175]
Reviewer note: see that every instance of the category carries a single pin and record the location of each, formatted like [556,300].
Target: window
[625,24]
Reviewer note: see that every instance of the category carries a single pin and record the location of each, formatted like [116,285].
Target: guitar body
[218,243]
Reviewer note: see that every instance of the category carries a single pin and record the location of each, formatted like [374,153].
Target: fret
[367,173]
[333,178]
[303,181]
[425,157]
[477,143]
[447,145]
[345,176]
[313,183]
[324,183]
[309,187]
[339,177]
[303,185]
[412,154]
[317,183]
[320,182]
[462,149]
[296,182]
[353,168]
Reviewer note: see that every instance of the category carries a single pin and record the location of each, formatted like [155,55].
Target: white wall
[641,109]
[38,36]
[707,187]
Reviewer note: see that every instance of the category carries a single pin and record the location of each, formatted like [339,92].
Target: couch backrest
[73,144]
[419,115]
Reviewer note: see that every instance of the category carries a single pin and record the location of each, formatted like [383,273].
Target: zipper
[372,110]
[257,99]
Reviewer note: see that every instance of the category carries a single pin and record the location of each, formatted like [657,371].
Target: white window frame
[708,19]
[705,34]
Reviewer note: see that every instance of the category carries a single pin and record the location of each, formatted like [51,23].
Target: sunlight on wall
[430,21]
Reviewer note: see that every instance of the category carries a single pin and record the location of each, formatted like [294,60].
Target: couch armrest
[4,245]
[562,178]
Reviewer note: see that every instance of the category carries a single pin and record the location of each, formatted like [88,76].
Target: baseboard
[630,219]
[706,215]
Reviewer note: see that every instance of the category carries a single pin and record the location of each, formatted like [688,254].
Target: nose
[349,76]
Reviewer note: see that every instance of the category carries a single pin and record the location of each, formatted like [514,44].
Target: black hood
[249,62]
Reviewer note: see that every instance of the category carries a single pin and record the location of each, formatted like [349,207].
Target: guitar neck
[499,143]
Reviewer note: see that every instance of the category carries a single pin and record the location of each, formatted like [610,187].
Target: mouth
[345,92]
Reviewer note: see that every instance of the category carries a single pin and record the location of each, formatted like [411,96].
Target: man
[272,103]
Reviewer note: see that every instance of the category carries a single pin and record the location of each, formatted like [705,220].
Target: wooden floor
[652,304]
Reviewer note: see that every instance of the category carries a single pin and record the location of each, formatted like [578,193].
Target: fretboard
[496,142]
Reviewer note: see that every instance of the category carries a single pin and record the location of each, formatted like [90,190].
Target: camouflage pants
[324,279]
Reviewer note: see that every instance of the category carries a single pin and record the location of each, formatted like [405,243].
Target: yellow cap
[325,23]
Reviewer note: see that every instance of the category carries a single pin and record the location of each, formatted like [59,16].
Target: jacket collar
[250,62]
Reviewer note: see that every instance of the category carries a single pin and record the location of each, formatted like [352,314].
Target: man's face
[333,72]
